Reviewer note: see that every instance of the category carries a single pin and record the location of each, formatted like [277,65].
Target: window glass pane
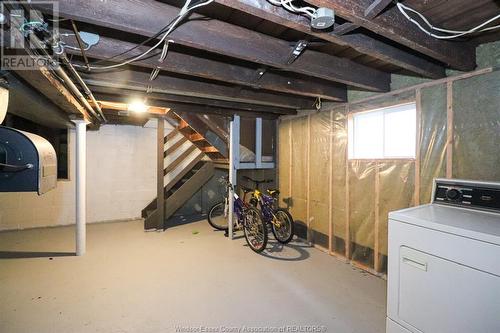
[368,135]
[383,133]
[400,132]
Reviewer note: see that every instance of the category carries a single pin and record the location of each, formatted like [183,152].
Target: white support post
[234,160]
[81,168]
[258,143]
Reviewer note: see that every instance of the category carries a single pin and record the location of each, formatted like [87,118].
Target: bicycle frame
[239,206]
[266,206]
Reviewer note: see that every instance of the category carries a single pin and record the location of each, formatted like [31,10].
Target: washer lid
[480,225]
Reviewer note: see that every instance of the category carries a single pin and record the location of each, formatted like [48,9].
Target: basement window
[385,133]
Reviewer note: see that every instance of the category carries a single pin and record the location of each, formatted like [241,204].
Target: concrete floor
[189,277]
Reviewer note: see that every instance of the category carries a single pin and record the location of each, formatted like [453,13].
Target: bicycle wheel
[255,230]
[217,216]
[283,227]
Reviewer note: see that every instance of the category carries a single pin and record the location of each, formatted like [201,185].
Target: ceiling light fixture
[138,106]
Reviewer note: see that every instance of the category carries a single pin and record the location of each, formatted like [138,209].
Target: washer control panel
[467,193]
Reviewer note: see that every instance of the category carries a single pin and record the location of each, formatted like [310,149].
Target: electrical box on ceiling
[324,18]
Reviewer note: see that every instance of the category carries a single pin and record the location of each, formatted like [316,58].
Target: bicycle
[245,217]
[280,219]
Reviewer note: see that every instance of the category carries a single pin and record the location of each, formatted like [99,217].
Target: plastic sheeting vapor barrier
[348,200]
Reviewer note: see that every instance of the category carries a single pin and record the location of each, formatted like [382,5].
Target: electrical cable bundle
[166,31]
[288,5]
[444,33]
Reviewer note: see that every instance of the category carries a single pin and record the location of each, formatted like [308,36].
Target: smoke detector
[324,18]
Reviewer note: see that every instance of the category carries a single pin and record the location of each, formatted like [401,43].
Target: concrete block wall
[121,181]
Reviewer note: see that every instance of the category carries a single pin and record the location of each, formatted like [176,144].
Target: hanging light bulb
[138,106]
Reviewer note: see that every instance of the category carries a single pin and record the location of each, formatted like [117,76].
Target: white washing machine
[444,261]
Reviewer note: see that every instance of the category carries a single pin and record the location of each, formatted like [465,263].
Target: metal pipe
[62,74]
[80,44]
[84,86]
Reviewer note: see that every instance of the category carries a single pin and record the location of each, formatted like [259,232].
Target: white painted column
[234,160]
[258,143]
[81,185]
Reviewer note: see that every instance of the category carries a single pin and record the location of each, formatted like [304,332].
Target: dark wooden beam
[345,28]
[361,43]
[198,108]
[376,7]
[205,109]
[192,108]
[185,87]
[391,24]
[101,92]
[182,63]
[149,16]
[26,102]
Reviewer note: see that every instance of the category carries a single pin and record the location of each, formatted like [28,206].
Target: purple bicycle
[245,217]
[279,219]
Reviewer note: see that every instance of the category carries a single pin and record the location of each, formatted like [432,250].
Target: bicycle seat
[273,191]
[246,189]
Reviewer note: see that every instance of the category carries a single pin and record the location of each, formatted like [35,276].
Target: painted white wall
[121,181]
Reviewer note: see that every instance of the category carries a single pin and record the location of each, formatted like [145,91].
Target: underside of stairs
[187,169]
[209,139]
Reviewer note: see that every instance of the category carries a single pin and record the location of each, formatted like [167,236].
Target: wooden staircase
[202,136]
[186,172]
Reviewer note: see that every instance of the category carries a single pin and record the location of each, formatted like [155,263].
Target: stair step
[209,149]
[181,158]
[183,125]
[196,137]
[175,146]
[170,136]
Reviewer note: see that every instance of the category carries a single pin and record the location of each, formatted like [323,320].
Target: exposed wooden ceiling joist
[120,106]
[148,17]
[376,7]
[361,43]
[182,63]
[103,92]
[137,80]
[391,24]
[192,108]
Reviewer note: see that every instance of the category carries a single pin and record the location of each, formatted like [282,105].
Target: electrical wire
[182,14]
[287,4]
[136,46]
[447,34]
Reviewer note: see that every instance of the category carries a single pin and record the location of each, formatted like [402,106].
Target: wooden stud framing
[291,159]
[376,249]
[258,142]
[347,224]
[449,132]
[234,160]
[160,167]
[330,188]
[418,102]
[308,185]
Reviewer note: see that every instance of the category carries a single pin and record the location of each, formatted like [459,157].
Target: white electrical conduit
[287,4]
[451,33]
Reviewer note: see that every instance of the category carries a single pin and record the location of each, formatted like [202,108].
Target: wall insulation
[342,205]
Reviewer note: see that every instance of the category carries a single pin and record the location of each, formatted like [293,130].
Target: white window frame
[350,136]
